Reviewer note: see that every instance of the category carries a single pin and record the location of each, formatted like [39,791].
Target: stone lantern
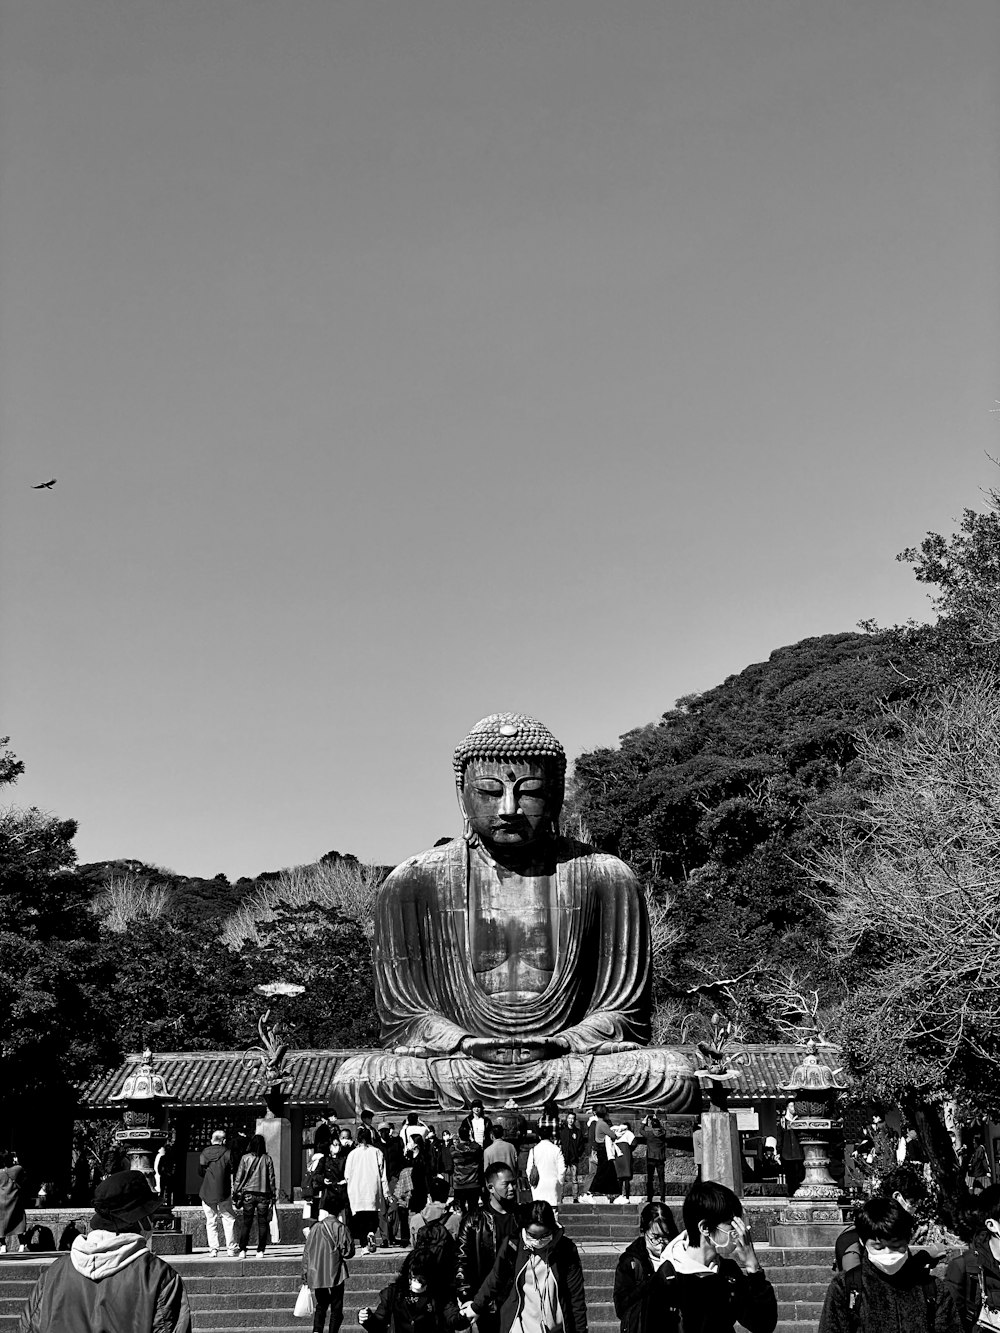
[144,1116]
[815,1088]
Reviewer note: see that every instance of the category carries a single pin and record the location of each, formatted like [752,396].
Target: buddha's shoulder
[426,865]
[593,862]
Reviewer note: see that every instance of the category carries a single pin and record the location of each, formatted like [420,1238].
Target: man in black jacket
[891,1292]
[480,1236]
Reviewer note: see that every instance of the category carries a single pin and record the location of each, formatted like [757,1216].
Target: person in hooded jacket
[891,1291]
[215,1166]
[704,1280]
[109,1280]
[973,1278]
[536,1281]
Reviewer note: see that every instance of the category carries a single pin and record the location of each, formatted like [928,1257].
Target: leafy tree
[721,803]
[323,949]
[48,972]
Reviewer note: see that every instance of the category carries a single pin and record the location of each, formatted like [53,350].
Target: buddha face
[511,803]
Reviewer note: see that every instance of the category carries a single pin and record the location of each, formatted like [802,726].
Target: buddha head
[510,772]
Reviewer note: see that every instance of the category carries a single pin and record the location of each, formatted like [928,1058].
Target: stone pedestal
[276,1131]
[720,1145]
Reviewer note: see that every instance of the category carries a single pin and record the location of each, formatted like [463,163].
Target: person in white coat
[546,1162]
[367,1184]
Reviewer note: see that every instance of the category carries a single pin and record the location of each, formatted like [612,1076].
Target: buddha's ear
[466,821]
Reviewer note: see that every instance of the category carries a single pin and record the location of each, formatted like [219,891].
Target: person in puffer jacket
[109,1280]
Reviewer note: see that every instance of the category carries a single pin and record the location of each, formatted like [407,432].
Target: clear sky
[403,361]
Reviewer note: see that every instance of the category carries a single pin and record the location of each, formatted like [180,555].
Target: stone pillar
[720,1146]
[276,1131]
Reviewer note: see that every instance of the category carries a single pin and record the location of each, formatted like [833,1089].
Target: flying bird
[44,485]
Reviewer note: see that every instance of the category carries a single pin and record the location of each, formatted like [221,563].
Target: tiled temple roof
[219,1078]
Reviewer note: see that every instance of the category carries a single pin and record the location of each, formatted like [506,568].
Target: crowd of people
[478,1215]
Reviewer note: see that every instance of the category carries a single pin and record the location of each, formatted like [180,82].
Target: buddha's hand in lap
[614,1047]
[418,1052]
[525,1051]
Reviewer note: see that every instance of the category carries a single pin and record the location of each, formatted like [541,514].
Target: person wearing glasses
[704,1280]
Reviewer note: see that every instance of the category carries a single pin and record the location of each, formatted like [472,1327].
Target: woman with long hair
[254,1194]
[537,1279]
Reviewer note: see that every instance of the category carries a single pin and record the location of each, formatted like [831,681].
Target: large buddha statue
[512,962]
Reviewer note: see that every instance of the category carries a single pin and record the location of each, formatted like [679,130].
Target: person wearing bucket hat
[109,1279]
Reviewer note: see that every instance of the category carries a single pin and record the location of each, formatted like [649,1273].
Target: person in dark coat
[328,1247]
[638,1290]
[892,1290]
[537,1281]
[109,1279]
[655,1136]
[255,1194]
[973,1278]
[467,1169]
[572,1144]
[482,1233]
[215,1166]
[705,1280]
[412,1304]
[12,1218]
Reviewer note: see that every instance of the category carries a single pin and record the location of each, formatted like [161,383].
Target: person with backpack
[891,1290]
[910,1191]
[705,1280]
[973,1278]
[328,1247]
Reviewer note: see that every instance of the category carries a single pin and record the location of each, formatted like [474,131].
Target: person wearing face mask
[536,1281]
[910,1191]
[109,1279]
[891,1291]
[709,1277]
[412,1303]
[638,1294]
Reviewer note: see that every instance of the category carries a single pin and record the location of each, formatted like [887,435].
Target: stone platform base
[809,1223]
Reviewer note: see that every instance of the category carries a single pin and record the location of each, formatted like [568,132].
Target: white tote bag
[305,1303]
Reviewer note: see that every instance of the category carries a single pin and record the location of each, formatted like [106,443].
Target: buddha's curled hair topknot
[509,736]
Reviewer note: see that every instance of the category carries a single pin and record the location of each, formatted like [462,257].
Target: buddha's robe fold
[426,989]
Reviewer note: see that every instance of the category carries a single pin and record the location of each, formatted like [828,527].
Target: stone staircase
[257,1295]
